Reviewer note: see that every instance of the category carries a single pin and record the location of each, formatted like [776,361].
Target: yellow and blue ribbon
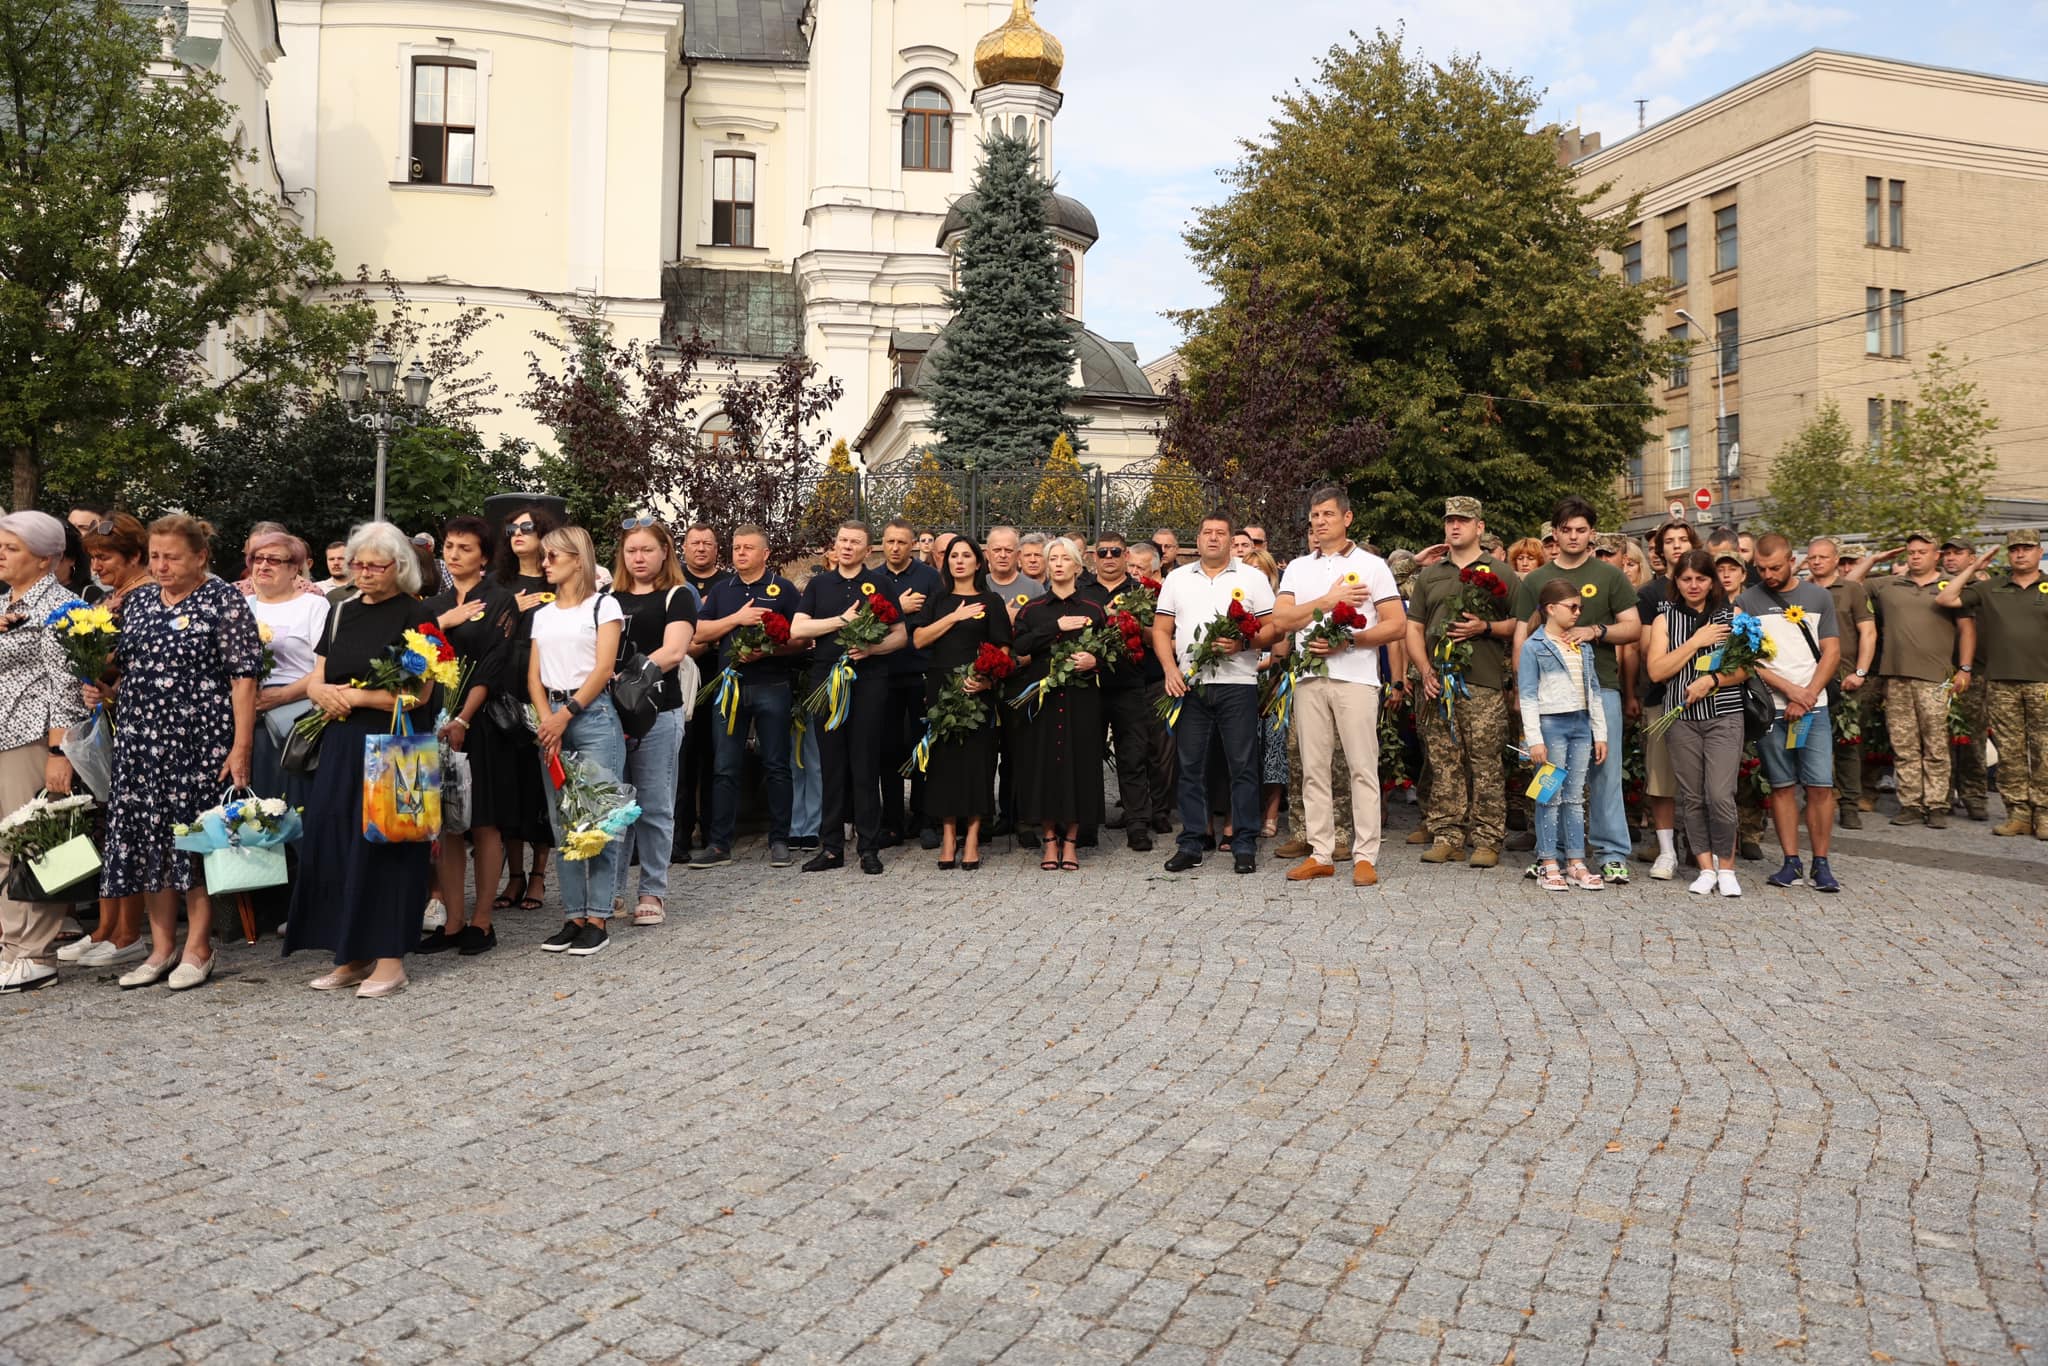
[1283,699]
[921,756]
[839,694]
[798,726]
[728,699]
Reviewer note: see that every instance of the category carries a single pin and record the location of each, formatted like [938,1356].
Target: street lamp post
[376,382]
[1722,473]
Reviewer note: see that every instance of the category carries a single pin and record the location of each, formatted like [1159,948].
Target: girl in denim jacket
[1560,705]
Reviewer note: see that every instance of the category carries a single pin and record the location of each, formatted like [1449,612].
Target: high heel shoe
[948,864]
[970,865]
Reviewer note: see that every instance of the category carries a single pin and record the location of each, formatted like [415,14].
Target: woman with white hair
[363,902]
[38,701]
[1059,751]
[186,730]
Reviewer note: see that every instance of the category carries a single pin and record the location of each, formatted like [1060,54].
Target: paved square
[1015,1116]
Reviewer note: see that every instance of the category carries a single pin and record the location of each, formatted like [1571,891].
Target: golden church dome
[1020,52]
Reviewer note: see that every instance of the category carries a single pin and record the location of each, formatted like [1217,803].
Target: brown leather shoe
[1363,874]
[1310,868]
[1419,835]
[2016,825]
[1484,858]
[1443,851]
[1294,848]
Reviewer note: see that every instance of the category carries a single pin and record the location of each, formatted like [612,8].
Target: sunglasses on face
[1109,552]
[276,560]
[521,528]
[553,555]
[103,527]
[1572,607]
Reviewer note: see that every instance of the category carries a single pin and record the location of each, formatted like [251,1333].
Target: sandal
[1551,880]
[649,912]
[505,900]
[531,902]
[1051,862]
[1068,863]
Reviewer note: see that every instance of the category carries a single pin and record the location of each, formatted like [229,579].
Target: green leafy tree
[1002,379]
[1460,266]
[128,234]
[1062,498]
[933,502]
[1932,467]
[1817,483]
[1175,499]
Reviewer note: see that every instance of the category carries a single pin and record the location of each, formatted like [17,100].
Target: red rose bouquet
[1119,640]
[1239,624]
[956,713]
[748,644]
[1332,628]
[1140,600]
[833,699]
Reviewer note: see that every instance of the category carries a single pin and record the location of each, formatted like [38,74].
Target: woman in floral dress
[189,654]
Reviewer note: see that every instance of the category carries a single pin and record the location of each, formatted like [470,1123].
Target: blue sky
[1159,93]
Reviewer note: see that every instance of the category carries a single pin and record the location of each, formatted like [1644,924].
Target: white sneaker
[1665,868]
[25,974]
[185,976]
[1729,886]
[1702,885]
[77,949]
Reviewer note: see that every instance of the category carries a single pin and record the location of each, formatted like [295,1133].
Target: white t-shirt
[1308,577]
[565,640]
[298,628]
[1194,599]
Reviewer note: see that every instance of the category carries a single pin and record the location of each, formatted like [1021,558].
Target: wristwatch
[573,707]
[1963,667]
[1863,673]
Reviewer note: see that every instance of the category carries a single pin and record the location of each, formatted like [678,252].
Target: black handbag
[637,686]
[300,752]
[1759,712]
[508,714]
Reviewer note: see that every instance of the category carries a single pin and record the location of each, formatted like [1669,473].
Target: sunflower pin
[1023,598]
[1485,568]
[1591,590]
[1351,576]
[774,590]
[867,590]
[1237,595]
[1795,614]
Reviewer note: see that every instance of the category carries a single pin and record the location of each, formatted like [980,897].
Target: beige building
[1826,224]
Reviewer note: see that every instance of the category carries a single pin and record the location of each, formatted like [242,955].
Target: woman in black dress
[1059,754]
[360,900]
[959,783]
[479,618]
[517,804]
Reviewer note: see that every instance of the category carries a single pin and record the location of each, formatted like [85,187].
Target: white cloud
[1681,53]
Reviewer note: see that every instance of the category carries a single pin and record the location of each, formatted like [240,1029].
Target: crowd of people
[1582,698]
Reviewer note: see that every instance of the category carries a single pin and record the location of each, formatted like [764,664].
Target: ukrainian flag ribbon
[728,699]
[921,756]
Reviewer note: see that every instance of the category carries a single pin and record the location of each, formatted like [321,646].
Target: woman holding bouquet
[189,659]
[479,618]
[956,625]
[661,621]
[519,809]
[361,901]
[291,623]
[1706,740]
[38,701]
[575,646]
[1059,752]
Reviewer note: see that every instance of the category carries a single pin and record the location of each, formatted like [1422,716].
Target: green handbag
[241,869]
[67,865]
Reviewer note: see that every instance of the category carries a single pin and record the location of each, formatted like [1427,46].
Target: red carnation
[776,627]
[884,610]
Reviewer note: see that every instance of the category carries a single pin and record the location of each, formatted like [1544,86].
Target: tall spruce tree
[1002,380]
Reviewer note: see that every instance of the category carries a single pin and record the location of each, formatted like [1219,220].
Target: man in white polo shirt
[1345,707]
[1223,699]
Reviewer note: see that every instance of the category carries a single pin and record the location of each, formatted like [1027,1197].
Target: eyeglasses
[637,523]
[521,528]
[552,555]
[277,560]
[1109,552]
[370,566]
[103,527]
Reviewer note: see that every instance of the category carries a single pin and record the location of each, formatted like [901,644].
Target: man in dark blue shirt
[742,599]
[850,755]
[908,581]
[693,778]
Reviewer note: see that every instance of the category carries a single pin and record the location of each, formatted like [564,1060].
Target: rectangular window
[1728,333]
[1676,265]
[1635,475]
[1873,211]
[1726,249]
[1873,420]
[1898,213]
[1873,322]
[1632,263]
[732,200]
[443,123]
[1898,417]
[1681,369]
[1898,312]
[1731,437]
[1678,457]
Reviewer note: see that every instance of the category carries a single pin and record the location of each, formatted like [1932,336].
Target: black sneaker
[1182,860]
[1244,863]
[711,858]
[1140,840]
[591,937]
[474,941]
[562,938]
[808,842]
[824,861]
[871,863]
[438,940]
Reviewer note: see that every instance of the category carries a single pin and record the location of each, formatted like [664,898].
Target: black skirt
[506,790]
[1059,759]
[960,781]
[356,899]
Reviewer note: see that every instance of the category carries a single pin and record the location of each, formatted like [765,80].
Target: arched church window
[1067,282]
[1020,128]
[927,130]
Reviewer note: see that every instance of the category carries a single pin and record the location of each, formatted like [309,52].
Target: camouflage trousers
[2019,718]
[1340,795]
[1970,778]
[1467,797]
[1916,715]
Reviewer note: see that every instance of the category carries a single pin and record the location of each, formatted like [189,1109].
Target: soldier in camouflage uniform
[1921,642]
[1464,727]
[1959,566]
[2012,640]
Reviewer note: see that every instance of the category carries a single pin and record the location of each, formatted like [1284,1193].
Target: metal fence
[1131,503]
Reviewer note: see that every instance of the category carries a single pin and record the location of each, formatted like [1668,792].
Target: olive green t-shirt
[1604,593]
[1852,604]
[1919,637]
[1436,588]
[2012,629]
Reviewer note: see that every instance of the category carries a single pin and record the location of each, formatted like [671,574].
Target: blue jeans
[1568,743]
[807,794]
[765,707]
[587,884]
[1230,712]
[1606,812]
[651,768]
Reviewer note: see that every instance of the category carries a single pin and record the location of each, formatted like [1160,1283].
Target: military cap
[1957,542]
[1548,533]
[1461,506]
[1402,563]
[1927,536]
[2022,536]
[1609,541]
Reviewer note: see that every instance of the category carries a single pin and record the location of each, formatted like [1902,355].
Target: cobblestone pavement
[970,1117]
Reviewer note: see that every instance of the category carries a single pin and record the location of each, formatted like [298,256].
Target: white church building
[775,174]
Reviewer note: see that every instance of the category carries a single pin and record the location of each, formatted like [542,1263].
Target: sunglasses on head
[636,523]
[103,527]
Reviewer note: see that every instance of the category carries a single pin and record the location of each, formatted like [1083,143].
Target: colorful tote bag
[401,786]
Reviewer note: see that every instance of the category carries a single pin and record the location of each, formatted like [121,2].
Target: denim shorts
[1811,765]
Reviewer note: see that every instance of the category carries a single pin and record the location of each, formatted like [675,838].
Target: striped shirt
[1679,624]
